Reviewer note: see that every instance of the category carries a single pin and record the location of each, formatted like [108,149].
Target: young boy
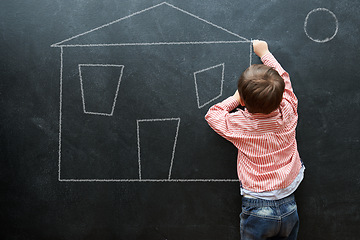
[268,162]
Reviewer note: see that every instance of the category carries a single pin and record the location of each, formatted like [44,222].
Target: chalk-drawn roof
[161,24]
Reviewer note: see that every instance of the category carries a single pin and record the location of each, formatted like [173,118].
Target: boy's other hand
[260,48]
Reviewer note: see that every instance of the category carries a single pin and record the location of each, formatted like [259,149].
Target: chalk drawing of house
[140,86]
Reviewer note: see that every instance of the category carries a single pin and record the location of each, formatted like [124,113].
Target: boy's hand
[260,48]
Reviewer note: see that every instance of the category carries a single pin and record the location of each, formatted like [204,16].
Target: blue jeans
[264,219]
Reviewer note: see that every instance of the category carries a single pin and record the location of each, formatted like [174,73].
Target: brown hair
[261,88]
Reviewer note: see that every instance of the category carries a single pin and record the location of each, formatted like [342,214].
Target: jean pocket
[262,212]
[288,209]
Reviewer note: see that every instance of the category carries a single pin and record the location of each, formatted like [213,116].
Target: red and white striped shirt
[268,158]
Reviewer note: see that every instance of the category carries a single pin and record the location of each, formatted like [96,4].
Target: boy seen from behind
[268,162]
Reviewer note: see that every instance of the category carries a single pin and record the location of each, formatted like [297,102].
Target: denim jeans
[265,219]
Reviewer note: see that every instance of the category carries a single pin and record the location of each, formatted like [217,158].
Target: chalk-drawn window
[99,87]
[209,84]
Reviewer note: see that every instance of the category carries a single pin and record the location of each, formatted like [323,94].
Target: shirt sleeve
[269,60]
[218,117]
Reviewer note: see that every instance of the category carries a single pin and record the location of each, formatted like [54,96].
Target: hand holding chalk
[260,48]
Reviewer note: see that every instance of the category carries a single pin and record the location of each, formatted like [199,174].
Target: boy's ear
[242,102]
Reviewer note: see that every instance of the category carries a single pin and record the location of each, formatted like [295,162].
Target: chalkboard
[102,115]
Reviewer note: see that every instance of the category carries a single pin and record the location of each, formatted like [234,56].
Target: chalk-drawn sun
[321,25]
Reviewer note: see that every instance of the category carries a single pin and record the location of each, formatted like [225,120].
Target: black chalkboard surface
[102,115]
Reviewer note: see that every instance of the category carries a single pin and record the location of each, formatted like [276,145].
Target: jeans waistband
[256,202]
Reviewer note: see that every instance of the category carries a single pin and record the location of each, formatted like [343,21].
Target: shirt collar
[262,115]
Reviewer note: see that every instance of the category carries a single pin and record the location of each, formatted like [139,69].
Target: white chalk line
[100,65]
[108,24]
[116,93]
[131,44]
[60,111]
[98,113]
[138,145]
[149,180]
[251,51]
[221,84]
[174,146]
[201,19]
[149,44]
[336,22]
[209,68]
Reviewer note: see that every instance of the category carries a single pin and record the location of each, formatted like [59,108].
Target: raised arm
[218,117]
[261,49]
